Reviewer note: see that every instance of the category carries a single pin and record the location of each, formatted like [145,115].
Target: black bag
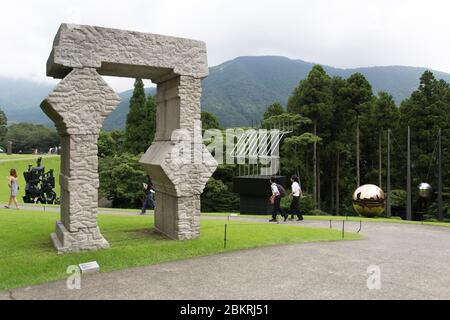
[281,190]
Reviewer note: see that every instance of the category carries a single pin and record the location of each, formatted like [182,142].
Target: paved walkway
[414,262]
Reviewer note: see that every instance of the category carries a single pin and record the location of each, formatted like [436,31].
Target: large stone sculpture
[177,161]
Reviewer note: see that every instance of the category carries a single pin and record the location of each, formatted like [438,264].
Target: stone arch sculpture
[81,101]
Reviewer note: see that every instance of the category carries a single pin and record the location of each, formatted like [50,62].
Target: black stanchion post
[343,228]
[225,237]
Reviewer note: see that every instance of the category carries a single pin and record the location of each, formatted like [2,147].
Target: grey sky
[344,33]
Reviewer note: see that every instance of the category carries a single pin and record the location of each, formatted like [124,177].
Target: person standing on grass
[295,196]
[14,187]
[275,200]
[149,201]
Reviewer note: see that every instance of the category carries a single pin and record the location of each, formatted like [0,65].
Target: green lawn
[27,256]
[20,163]
[4,156]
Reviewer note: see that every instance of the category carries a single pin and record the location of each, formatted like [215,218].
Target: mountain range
[237,91]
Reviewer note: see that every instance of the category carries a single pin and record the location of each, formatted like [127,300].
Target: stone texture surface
[78,106]
[178,162]
[125,53]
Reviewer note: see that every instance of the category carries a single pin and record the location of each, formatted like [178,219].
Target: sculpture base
[254,192]
[89,239]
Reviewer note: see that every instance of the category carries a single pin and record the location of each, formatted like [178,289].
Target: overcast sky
[341,33]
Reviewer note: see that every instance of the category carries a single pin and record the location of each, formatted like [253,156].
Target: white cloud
[344,33]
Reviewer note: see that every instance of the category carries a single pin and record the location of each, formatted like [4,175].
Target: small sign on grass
[89,267]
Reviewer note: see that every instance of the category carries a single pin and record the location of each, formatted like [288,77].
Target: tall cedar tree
[151,119]
[140,124]
[357,95]
[339,138]
[313,99]
[427,111]
[385,117]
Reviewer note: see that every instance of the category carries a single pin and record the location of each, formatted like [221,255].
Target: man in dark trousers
[149,201]
[275,199]
[296,195]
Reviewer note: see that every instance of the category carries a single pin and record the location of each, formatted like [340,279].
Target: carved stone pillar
[78,106]
[178,162]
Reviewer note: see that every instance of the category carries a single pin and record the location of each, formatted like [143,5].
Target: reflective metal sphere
[425,190]
[368,200]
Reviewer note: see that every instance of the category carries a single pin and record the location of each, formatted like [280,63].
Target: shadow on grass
[147,233]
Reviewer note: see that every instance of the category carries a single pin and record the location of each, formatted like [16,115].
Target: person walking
[149,201]
[295,196]
[275,200]
[14,188]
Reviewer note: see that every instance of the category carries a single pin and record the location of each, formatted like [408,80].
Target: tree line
[345,143]
[339,142]
[26,137]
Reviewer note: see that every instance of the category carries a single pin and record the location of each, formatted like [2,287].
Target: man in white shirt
[275,199]
[295,195]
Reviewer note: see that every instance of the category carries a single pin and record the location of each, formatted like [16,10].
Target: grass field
[4,156]
[20,163]
[27,256]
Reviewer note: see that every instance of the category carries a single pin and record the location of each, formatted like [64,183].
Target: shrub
[217,197]
[398,198]
[306,204]
[121,178]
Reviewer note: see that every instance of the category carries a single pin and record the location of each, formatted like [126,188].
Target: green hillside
[240,90]
[237,91]
[20,99]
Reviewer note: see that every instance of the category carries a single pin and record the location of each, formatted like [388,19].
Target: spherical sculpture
[425,190]
[368,200]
